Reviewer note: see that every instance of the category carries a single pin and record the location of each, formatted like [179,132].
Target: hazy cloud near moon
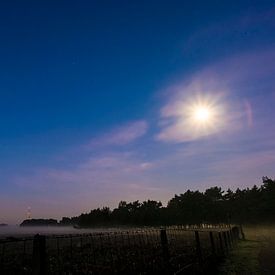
[227,84]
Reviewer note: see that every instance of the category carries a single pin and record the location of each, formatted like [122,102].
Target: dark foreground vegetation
[255,205]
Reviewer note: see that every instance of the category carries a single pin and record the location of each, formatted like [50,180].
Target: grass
[251,256]
[243,259]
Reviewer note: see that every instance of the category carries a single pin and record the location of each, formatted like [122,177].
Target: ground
[255,255]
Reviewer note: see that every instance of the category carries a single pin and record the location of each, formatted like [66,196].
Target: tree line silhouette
[255,205]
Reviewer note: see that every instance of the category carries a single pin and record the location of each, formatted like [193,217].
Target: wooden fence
[171,250]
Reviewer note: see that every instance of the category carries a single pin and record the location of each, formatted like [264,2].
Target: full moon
[202,114]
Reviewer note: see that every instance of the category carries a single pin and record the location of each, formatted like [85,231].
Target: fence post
[225,241]
[165,251]
[221,243]
[164,245]
[212,243]
[233,232]
[198,248]
[232,236]
[242,233]
[228,239]
[39,255]
[237,233]
[2,257]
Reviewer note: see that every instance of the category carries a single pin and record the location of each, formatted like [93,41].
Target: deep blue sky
[89,88]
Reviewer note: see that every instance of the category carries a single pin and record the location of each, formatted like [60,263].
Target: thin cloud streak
[122,135]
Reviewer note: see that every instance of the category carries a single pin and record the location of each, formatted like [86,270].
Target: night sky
[97,101]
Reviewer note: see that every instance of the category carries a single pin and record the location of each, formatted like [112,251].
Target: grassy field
[255,255]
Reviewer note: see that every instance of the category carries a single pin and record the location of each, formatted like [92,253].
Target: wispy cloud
[110,168]
[122,135]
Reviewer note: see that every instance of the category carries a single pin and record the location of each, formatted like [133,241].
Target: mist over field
[18,231]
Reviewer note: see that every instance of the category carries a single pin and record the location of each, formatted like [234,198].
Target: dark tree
[255,205]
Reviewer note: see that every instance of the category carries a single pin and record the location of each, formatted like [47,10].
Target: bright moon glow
[197,115]
[202,114]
